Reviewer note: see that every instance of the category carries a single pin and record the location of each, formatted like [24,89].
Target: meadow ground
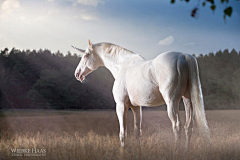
[94,135]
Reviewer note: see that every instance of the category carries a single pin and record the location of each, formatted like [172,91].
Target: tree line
[40,79]
[220,78]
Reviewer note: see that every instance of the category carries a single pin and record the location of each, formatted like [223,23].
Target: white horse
[163,80]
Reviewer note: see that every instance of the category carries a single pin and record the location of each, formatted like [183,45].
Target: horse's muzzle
[79,76]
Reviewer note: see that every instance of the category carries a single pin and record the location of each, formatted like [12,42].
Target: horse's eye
[86,55]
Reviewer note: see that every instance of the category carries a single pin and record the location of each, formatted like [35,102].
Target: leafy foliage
[226,12]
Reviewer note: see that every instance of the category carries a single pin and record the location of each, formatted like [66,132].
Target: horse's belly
[145,96]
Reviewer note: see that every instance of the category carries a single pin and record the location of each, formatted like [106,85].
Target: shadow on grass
[32,113]
[1,117]
[1,114]
[4,126]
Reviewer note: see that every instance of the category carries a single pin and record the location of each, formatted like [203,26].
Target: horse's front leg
[137,112]
[121,110]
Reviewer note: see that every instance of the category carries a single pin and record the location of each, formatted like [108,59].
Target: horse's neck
[120,62]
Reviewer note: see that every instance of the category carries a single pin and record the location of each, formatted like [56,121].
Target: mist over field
[94,135]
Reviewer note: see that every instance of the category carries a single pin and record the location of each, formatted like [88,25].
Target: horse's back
[170,60]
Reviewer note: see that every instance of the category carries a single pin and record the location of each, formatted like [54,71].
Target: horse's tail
[196,96]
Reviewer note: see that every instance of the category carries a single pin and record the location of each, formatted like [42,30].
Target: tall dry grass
[94,135]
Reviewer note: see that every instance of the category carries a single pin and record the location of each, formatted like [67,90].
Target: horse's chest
[144,94]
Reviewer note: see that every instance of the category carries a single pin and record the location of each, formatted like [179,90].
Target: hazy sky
[146,27]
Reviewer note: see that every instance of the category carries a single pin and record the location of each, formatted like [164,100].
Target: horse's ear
[90,46]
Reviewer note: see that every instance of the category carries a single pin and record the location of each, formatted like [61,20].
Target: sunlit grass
[94,135]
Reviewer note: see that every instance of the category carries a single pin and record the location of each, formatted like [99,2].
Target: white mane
[114,50]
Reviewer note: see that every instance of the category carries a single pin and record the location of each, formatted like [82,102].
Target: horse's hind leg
[137,112]
[189,120]
[172,110]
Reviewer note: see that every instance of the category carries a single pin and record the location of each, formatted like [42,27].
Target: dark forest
[41,79]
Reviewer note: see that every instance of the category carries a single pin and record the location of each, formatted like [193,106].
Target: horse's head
[89,62]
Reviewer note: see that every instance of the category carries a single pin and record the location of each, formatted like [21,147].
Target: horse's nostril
[77,74]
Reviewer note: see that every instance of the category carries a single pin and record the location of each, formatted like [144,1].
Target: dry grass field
[94,135]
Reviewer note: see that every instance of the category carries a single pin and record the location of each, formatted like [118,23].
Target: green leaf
[228,11]
[172,1]
[222,1]
[213,7]
[203,4]
[211,1]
